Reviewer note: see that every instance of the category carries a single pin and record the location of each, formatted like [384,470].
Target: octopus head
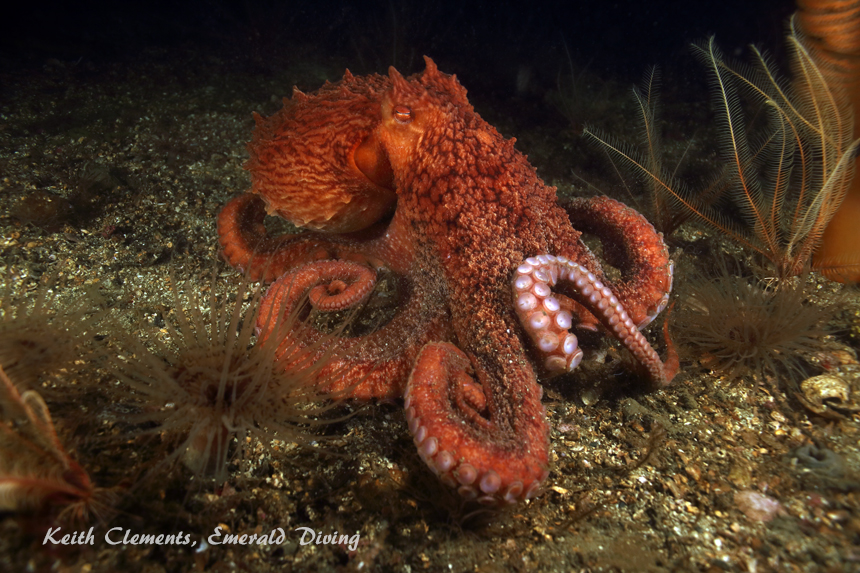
[416,111]
[317,162]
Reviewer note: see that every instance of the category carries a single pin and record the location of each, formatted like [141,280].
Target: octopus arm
[374,365]
[489,444]
[247,245]
[631,244]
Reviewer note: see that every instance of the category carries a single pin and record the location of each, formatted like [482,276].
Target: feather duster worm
[210,387]
[737,329]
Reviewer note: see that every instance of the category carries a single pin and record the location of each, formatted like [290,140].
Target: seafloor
[111,177]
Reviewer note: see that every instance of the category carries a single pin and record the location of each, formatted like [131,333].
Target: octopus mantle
[401,176]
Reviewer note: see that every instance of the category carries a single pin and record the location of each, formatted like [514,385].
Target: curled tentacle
[375,365]
[630,244]
[349,284]
[547,324]
[247,245]
[462,436]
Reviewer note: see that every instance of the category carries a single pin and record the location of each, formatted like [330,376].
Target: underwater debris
[827,395]
[818,467]
[820,460]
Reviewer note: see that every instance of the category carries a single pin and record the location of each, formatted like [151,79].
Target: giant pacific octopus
[401,176]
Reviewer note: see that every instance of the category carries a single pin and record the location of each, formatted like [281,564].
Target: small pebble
[758,506]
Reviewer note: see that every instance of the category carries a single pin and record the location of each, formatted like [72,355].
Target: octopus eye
[402,113]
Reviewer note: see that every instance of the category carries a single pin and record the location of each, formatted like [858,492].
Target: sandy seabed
[111,176]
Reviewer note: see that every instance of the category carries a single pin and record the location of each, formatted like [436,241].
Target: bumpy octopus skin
[493,276]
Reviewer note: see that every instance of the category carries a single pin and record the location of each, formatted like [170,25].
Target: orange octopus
[400,176]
